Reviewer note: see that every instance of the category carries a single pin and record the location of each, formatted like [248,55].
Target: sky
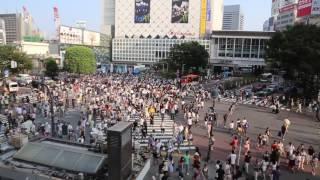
[255,11]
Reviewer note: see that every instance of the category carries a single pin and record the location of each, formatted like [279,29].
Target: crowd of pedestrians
[104,100]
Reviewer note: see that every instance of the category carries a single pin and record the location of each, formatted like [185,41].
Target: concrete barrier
[144,170]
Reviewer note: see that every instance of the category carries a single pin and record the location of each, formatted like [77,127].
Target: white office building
[287,17]
[146,51]
[233,18]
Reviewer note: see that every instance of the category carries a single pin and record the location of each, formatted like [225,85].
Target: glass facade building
[240,48]
[146,51]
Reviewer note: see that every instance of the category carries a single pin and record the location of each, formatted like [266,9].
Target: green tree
[51,67]
[297,51]
[11,53]
[79,59]
[187,56]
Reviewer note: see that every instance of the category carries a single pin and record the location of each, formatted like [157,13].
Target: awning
[62,157]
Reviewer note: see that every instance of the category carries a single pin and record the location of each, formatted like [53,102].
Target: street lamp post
[182,70]
[51,108]
[210,143]
[240,148]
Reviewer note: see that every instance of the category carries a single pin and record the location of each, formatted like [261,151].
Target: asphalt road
[303,129]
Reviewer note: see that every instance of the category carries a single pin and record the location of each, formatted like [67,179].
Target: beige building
[35,48]
[38,52]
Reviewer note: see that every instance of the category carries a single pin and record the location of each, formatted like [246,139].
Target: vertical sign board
[304,8]
[315,7]
[120,151]
[208,24]
[203,18]
[142,11]
[180,11]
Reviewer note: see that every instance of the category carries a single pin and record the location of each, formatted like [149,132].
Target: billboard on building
[315,7]
[70,35]
[287,8]
[91,38]
[304,8]
[203,18]
[284,3]
[142,11]
[180,11]
[209,23]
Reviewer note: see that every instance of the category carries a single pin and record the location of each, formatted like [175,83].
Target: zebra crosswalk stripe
[253,102]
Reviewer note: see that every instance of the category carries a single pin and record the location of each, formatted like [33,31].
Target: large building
[165,18]
[2,32]
[286,13]
[12,27]
[146,51]
[146,18]
[108,17]
[242,49]
[18,27]
[145,30]
[233,18]
[100,43]
[287,17]
[268,25]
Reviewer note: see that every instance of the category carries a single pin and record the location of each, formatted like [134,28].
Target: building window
[246,48]
[238,48]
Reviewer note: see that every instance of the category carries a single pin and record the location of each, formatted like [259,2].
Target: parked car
[23,79]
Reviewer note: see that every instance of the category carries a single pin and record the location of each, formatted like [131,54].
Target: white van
[12,86]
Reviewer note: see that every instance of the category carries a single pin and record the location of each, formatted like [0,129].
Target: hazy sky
[256,11]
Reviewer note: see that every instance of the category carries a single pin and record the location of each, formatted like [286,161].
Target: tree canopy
[11,53]
[297,51]
[80,59]
[190,55]
[51,67]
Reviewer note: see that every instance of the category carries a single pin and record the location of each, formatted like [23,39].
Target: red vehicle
[189,78]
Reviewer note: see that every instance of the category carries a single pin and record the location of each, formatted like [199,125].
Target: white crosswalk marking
[256,102]
[155,131]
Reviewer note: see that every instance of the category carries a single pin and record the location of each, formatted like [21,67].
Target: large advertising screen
[142,11]
[315,7]
[91,38]
[304,8]
[70,35]
[180,11]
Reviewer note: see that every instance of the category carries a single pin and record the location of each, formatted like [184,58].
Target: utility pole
[210,143]
[182,70]
[240,148]
[51,107]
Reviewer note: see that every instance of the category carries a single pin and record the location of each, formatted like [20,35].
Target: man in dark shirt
[247,159]
[220,173]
